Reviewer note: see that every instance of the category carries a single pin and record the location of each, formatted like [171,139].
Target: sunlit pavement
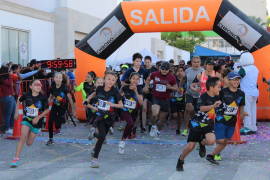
[145,158]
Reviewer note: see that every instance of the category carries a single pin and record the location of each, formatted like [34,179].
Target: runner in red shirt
[164,83]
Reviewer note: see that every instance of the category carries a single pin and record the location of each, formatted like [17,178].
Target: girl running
[60,96]
[108,99]
[35,107]
[178,98]
[132,98]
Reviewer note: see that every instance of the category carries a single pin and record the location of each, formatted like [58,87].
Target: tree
[183,40]
[258,20]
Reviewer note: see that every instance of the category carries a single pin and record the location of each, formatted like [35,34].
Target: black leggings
[57,116]
[103,126]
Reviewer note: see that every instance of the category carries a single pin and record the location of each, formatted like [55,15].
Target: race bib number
[231,110]
[103,105]
[160,88]
[130,104]
[31,112]
[140,81]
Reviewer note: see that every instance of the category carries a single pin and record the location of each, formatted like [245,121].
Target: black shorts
[163,103]
[198,134]
[193,101]
[177,106]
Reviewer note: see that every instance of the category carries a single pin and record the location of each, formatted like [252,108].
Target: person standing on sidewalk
[248,85]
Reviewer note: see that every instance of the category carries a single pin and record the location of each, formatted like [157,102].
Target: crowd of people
[202,98]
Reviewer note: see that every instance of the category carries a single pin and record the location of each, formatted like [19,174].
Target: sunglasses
[164,69]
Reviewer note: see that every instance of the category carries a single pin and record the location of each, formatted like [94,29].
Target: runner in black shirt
[202,124]
[35,107]
[233,102]
[108,99]
[132,99]
[60,96]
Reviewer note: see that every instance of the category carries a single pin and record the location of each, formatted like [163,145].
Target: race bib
[232,111]
[160,88]
[31,112]
[140,81]
[130,104]
[103,105]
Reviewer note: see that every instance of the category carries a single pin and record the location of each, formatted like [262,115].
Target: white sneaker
[94,163]
[153,131]
[91,133]
[157,132]
[9,131]
[121,146]
[111,131]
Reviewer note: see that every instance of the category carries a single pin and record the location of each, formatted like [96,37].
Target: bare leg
[144,114]
[187,149]
[189,111]
[162,119]
[155,113]
[221,144]
[31,138]
[24,136]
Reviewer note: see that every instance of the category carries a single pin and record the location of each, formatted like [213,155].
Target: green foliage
[183,40]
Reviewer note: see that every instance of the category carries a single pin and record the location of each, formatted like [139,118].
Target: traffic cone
[47,118]
[17,124]
[236,139]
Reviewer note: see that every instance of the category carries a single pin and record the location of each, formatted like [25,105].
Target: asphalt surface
[145,158]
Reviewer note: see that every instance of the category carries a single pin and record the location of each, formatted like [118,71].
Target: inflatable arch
[170,16]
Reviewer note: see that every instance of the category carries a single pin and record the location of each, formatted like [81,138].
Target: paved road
[145,159]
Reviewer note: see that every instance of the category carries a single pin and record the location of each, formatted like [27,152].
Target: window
[160,54]
[15,46]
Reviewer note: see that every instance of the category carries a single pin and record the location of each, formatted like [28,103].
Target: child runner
[178,98]
[35,107]
[99,82]
[202,124]
[132,98]
[233,100]
[60,96]
[108,98]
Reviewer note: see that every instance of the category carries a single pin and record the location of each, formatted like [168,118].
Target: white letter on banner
[190,12]
[151,16]
[162,17]
[202,14]
[137,17]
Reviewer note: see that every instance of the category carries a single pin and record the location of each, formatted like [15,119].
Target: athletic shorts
[198,134]
[32,128]
[177,106]
[223,131]
[164,104]
[193,101]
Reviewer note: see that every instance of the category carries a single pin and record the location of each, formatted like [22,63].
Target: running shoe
[111,131]
[9,131]
[185,132]
[202,150]
[94,163]
[91,133]
[50,142]
[211,159]
[177,132]
[153,131]
[121,146]
[14,163]
[180,165]
[218,157]
[245,131]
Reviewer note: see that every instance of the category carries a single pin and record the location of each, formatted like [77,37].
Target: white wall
[43,5]
[134,44]
[41,41]
[97,8]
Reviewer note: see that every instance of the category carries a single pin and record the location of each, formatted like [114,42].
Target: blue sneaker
[14,163]
[245,131]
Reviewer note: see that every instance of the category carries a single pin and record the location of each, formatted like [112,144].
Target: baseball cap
[233,75]
[165,66]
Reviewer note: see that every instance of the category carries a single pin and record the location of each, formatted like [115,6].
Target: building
[49,29]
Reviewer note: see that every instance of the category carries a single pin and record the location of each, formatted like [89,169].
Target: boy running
[202,124]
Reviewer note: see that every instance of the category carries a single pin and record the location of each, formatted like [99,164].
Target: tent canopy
[202,51]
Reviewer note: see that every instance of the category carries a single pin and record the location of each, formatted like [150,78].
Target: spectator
[7,98]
